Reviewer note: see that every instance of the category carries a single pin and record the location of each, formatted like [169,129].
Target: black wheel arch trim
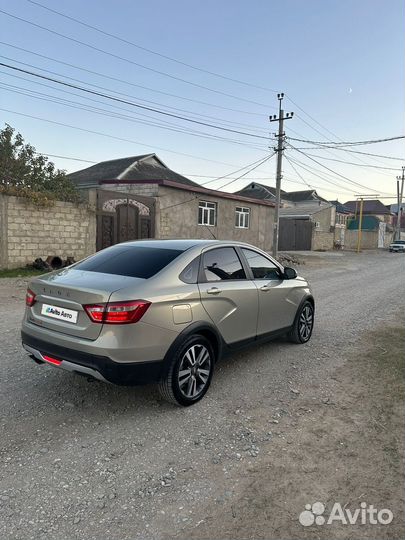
[307,298]
[197,327]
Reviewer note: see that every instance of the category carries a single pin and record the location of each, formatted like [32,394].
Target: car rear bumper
[99,367]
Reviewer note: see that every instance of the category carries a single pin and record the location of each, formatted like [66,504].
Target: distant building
[371,207]
[307,220]
[376,224]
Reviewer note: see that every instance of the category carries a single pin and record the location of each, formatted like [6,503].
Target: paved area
[89,460]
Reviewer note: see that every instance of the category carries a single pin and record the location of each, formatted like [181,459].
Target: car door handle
[214,290]
[265,288]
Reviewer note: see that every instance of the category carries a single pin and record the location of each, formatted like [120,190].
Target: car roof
[181,244]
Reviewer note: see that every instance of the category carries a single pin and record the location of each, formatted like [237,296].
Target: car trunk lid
[60,298]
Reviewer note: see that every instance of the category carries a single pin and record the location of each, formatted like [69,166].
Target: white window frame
[242,217]
[208,213]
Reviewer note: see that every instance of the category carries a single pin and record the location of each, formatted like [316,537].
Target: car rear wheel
[303,325]
[190,373]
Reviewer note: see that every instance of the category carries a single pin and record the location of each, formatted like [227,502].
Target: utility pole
[360,198]
[280,149]
[400,193]
[360,225]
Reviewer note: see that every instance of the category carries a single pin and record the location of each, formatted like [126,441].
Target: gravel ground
[88,460]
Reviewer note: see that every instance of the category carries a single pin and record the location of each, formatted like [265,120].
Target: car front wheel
[303,324]
[190,372]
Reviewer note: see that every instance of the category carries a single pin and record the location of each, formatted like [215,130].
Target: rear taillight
[117,312]
[29,298]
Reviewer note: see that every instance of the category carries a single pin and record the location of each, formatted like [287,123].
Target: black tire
[175,387]
[303,324]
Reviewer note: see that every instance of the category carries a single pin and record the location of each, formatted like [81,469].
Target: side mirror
[289,273]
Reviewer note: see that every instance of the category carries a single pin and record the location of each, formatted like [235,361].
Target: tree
[25,172]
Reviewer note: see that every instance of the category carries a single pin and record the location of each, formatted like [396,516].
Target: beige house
[140,197]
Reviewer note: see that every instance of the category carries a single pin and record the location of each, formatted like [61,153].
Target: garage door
[295,234]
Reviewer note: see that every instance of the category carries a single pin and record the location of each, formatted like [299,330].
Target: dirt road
[281,427]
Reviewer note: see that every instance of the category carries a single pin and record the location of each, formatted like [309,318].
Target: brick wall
[28,231]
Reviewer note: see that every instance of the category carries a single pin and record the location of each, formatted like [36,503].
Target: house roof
[261,191]
[340,208]
[146,169]
[305,195]
[304,210]
[254,190]
[124,170]
[373,206]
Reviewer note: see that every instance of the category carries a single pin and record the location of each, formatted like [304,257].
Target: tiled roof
[135,168]
[255,190]
[373,206]
[148,169]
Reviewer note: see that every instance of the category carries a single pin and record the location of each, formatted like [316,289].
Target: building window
[207,213]
[242,217]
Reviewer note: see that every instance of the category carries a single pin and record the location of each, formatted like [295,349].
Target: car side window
[222,264]
[190,272]
[262,268]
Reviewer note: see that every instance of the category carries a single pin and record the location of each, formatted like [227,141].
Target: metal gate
[295,235]
[122,217]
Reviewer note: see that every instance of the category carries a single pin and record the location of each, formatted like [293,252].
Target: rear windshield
[131,261]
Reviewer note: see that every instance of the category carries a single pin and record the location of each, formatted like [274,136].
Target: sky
[340,64]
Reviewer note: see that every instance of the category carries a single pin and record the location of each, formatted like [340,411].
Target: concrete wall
[28,231]
[177,217]
[369,239]
[147,190]
[323,236]
[322,241]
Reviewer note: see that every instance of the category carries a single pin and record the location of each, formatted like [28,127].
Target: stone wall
[28,231]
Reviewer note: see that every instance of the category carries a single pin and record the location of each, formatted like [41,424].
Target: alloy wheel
[194,371]
[306,322]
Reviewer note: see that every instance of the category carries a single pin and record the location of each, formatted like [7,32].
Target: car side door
[228,297]
[276,309]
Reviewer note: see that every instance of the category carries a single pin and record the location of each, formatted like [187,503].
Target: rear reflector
[29,298]
[52,360]
[117,312]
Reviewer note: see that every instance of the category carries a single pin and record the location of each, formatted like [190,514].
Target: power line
[330,132]
[247,172]
[137,105]
[297,173]
[118,57]
[120,116]
[351,151]
[77,95]
[116,79]
[348,180]
[112,136]
[234,172]
[347,143]
[66,157]
[312,171]
[180,62]
[356,164]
